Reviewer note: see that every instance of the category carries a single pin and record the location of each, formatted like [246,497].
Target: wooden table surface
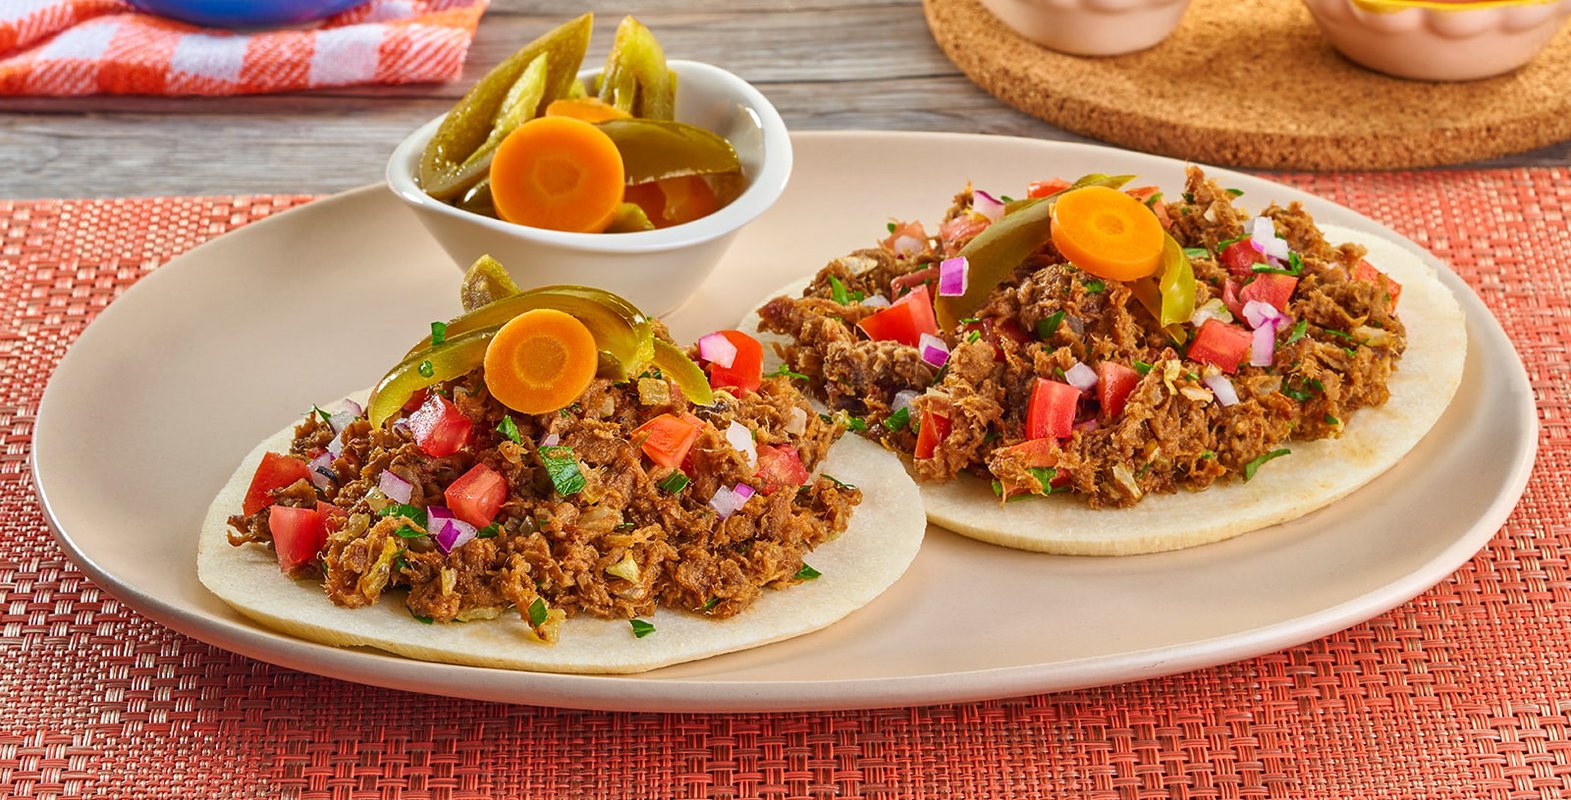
[826,64]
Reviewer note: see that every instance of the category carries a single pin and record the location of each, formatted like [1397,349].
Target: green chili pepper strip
[486,281]
[1145,290]
[451,162]
[675,364]
[451,359]
[636,78]
[654,150]
[1177,283]
[630,218]
[1003,245]
[621,331]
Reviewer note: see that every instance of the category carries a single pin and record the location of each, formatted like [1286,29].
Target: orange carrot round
[540,361]
[558,173]
[588,109]
[1107,233]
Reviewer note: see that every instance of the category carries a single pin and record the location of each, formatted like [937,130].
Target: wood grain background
[826,64]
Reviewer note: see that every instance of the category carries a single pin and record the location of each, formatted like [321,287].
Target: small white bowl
[1091,27]
[1438,43]
[658,270]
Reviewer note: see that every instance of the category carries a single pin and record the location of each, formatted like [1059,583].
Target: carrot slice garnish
[1107,233]
[588,109]
[540,361]
[558,173]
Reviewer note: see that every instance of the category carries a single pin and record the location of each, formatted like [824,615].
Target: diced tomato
[416,400]
[911,229]
[747,369]
[905,321]
[1114,382]
[298,535]
[1221,344]
[1145,193]
[1230,298]
[935,428]
[780,467]
[439,427]
[477,495]
[1270,288]
[333,517]
[1366,271]
[1240,257]
[666,439]
[905,283]
[1046,188]
[275,472]
[1032,454]
[1051,414]
[956,232]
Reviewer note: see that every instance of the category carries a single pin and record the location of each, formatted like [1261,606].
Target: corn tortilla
[1316,473]
[883,536]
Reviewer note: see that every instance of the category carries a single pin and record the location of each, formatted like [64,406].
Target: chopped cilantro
[899,420]
[323,414]
[891,227]
[537,612]
[1048,325]
[423,620]
[624,526]
[414,514]
[488,532]
[1153,200]
[855,423]
[426,370]
[509,429]
[837,291]
[807,573]
[1330,420]
[1298,331]
[1142,367]
[1300,395]
[1045,476]
[1206,455]
[562,467]
[1226,243]
[1253,466]
[1295,265]
[1189,197]
[973,336]
[438,333]
[1341,335]
[674,483]
[1006,198]
[399,562]
[938,377]
[1314,383]
[1236,192]
[784,371]
[969,320]
[1095,286]
[836,481]
[407,532]
[710,603]
[1196,252]
[641,628]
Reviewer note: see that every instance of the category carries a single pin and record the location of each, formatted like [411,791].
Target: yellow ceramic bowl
[1440,41]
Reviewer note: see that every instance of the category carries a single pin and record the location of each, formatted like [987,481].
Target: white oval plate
[173,383]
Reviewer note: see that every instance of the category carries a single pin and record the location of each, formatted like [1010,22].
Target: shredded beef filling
[620,547]
[1172,433]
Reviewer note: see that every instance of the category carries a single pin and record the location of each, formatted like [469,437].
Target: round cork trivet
[1253,83]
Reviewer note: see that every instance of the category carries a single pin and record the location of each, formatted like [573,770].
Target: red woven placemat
[1462,693]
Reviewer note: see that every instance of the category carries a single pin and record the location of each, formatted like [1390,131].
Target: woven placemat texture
[1462,693]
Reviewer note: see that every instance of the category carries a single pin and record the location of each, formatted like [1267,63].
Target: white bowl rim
[765,188]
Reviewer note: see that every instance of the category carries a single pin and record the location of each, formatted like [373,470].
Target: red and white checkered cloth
[78,47]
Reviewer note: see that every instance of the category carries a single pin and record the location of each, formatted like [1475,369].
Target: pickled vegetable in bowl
[534,145]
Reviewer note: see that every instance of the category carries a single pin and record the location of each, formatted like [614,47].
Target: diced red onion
[742,492]
[449,531]
[741,438]
[397,489]
[796,424]
[350,405]
[401,425]
[933,349]
[907,245]
[321,471]
[551,440]
[903,399]
[1263,237]
[1223,388]
[1081,377]
[1088,425]
[726,502]
[341,420]
[1259,313]
[1262,350]
[336,447]
[953,276]
[1075,324]
[716,349]
[987,205]
[876,301]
